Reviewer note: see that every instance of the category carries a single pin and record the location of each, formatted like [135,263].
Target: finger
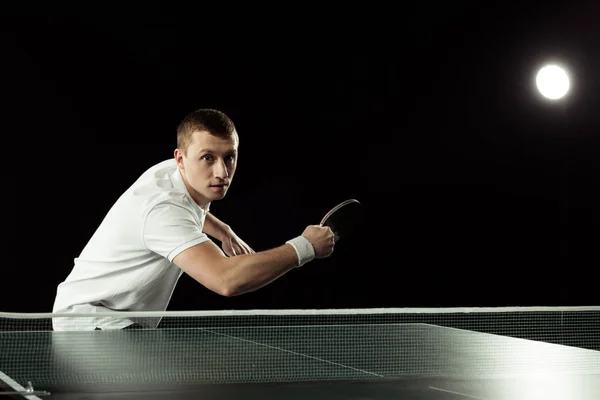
[233,249]
[247,249]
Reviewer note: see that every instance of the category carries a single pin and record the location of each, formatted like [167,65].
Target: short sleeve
[170,229]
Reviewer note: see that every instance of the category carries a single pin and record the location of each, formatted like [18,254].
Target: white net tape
[207,347]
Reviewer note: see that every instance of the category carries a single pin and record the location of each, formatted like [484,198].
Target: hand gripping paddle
[344,218]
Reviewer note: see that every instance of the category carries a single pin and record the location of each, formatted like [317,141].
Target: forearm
[250,272]
[215,227]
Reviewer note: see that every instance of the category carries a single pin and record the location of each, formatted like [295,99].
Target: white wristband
[304,249]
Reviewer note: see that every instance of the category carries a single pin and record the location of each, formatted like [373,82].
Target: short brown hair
[215,122]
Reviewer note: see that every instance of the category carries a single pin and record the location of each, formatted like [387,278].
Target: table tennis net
[290,345]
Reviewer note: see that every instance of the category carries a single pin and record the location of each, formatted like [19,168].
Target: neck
[198,199]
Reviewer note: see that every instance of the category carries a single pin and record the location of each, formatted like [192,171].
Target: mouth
[219,187]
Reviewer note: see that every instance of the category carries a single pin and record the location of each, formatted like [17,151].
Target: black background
[477,191]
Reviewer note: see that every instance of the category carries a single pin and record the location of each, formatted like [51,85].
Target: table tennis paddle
[344,218]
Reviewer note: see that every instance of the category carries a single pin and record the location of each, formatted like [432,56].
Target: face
[208,166]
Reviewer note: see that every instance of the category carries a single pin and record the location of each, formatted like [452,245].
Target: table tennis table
[296,361]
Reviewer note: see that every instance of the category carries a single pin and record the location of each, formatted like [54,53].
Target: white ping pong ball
[553,82]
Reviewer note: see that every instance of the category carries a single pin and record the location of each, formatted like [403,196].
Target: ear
[178,155]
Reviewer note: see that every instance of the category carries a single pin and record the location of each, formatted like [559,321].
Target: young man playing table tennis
[160,228]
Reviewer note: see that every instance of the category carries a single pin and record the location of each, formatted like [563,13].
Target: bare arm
[232,276]
[215,227]
[231,243]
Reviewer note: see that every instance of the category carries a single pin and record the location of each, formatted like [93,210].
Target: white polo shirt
[127,264]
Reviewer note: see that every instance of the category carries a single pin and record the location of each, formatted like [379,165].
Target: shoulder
[159,186]
[158,176]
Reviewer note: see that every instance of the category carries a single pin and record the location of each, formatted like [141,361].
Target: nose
[220,170]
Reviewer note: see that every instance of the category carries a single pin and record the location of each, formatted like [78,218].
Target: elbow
[229,289]
[228,282]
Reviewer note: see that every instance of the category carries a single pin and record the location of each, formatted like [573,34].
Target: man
[160,228]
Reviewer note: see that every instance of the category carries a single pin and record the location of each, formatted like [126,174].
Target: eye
[207,157]
[230,159]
